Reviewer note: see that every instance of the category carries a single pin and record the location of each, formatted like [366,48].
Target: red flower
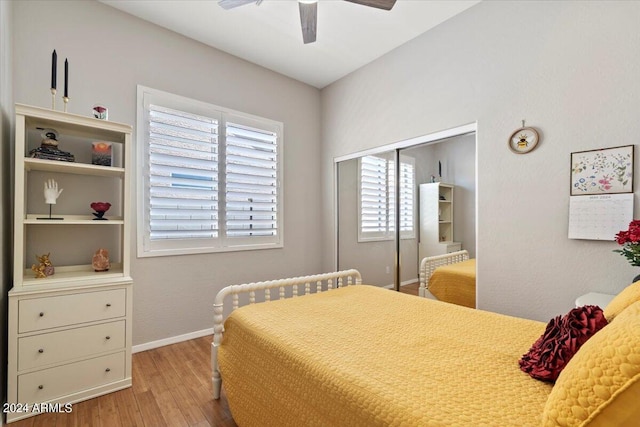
[622,237]
[630,242]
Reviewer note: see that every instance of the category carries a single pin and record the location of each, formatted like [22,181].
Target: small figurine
[51,192]
[49,148]
[100,260]
[100,208]
[44,267]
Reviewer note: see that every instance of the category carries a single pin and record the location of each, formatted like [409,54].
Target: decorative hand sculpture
[51,192]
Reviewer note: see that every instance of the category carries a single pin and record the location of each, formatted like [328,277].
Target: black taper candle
[66,78]
[54,69]
[440,169]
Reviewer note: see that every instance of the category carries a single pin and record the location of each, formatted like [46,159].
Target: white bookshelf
[70,332]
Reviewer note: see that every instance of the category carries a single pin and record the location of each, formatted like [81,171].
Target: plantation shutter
[373,195]
[377,198]
[251,166]
[183,175]
[391,191]
[407,191]
[407,183]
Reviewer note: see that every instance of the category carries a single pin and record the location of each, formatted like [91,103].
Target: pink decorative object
[100,260]
[100,208]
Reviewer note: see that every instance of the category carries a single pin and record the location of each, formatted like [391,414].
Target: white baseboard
[171,340]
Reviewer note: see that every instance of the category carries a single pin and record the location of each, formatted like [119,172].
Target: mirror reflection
[436,211]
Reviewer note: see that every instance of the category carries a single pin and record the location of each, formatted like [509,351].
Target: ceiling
[349,35]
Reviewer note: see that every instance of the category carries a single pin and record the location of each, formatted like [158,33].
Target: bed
[348,354]
[450,278]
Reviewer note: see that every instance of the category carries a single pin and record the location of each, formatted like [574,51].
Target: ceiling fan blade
[378,4]
[308,20]
[230,4]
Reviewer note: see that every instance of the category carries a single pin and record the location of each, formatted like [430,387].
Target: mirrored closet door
[434,214]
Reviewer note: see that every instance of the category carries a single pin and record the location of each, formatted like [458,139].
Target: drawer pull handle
[42,314]
[40,387]
[108,337]
[108,304]
[41,350]
[108,370]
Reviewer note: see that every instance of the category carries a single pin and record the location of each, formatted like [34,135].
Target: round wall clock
[523,140]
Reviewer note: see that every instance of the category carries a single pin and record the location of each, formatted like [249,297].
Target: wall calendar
[599,217]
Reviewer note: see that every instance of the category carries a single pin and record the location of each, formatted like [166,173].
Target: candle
[66,78]
[54,66]
[439,169]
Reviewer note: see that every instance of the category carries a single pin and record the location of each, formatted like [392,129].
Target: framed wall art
[603,171]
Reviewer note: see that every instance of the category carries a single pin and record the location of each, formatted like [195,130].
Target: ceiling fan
[309,12]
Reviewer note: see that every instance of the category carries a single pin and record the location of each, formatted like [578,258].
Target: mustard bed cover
[455,283]
[367,356]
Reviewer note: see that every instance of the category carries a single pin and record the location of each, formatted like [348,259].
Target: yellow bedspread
[366,356]
[455,283]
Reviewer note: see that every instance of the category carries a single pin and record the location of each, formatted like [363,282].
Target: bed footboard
[332,280]
[430,263]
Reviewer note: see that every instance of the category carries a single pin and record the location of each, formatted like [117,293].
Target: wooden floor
[171,387]
[411,288]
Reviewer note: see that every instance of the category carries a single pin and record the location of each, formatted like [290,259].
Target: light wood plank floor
[411,288]
[171,387]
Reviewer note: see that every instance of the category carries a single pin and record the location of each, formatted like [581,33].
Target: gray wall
[6,111]
[568,68]
[111,52]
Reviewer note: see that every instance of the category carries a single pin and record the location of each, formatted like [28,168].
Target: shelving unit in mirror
[436,220]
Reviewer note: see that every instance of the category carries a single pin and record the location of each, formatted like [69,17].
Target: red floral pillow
[560,341]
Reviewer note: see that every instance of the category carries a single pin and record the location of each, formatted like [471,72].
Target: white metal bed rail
[333,280]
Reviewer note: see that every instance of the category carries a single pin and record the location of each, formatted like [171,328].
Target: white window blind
[183,175]
[377,198]
[373,196]
[209,177]
[407,197]
[251,182]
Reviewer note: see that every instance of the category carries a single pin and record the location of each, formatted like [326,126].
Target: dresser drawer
[48,384]
[55,347]
[43,313]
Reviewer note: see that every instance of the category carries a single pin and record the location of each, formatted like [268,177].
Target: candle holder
[66,101]
[53,98]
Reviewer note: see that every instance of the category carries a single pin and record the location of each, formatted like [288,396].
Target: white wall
[111,52]
[6,111]
[570,69]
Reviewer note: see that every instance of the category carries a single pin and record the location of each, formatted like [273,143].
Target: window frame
[171,247]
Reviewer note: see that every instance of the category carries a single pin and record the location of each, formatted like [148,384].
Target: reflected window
[376,198]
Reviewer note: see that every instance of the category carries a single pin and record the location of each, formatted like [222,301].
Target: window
[376,198]
[209,176]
